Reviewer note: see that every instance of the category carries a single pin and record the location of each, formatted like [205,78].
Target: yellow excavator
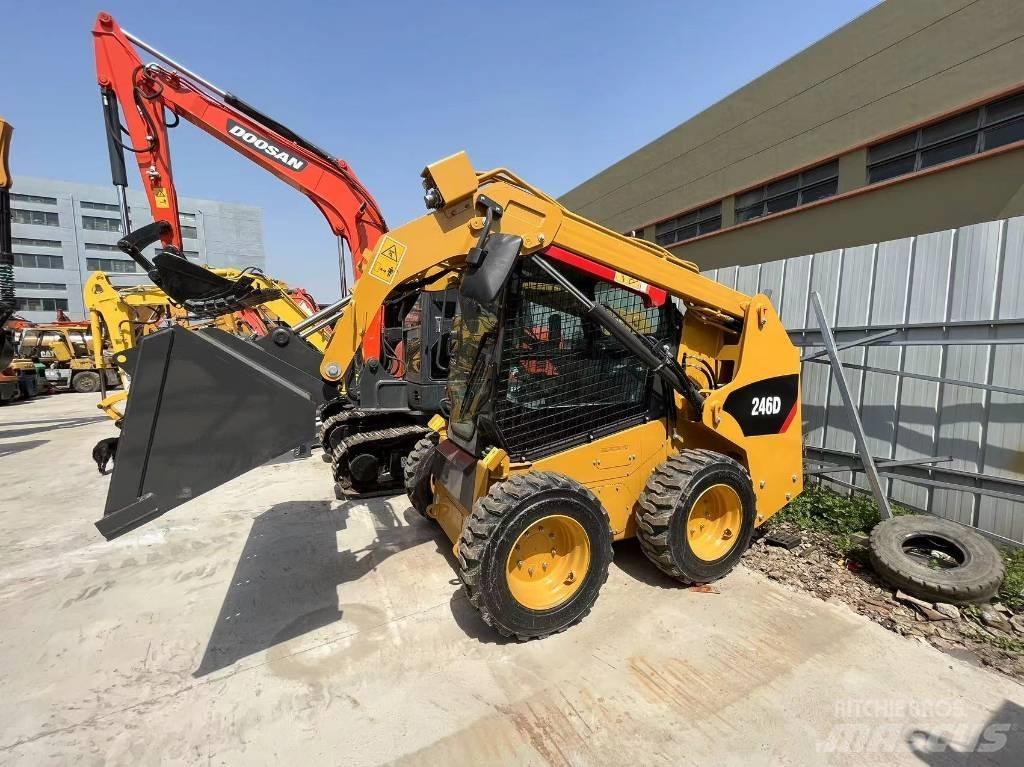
[63,349]
[120,316]
[600,388]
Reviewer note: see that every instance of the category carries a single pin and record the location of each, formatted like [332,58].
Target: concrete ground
[266,623]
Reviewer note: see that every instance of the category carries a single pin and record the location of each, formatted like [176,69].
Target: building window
[35,217]
[101,224]
[789,192]
[190,231]
[707,219]
[973,132]
[112,265]
[100,206]
[41,304]
[33,198]
[102,246]
[35,242]
[40,285]
[36,261]
[188,219]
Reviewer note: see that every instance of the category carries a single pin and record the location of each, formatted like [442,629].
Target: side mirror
[485,282]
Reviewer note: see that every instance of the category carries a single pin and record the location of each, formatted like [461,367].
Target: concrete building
[909,119]
[881,168]
[61,231]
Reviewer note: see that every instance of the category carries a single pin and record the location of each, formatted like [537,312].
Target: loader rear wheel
[86,382]
[416,473]
[534,554]
[696,515]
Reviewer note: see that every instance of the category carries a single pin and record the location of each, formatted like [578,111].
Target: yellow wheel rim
[714,522]
[548,562]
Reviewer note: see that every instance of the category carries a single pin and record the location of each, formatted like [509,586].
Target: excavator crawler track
[381,444]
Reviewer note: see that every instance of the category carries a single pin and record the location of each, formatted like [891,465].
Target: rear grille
[563,380]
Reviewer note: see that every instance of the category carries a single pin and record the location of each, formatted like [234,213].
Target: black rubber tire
[86,382]
[665,504]
[977,579]
[416,472]
[490,531]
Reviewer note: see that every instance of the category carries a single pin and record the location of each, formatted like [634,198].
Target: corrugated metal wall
[972,273]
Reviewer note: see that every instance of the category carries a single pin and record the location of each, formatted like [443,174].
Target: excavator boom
[152,98]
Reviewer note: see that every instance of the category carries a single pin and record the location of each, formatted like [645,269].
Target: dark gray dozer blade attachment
[203,408]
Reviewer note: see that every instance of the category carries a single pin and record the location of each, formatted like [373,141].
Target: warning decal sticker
[631,282]
[160,197]
[390,253]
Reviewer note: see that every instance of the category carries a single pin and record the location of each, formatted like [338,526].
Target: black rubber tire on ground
[976,579]
[665,504]
[496,522]
[86,382]
[416,472]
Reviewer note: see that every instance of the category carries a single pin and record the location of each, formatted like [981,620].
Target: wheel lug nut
[519,564]
[544,566]
[530,571]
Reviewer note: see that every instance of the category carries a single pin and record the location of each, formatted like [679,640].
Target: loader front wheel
[534,554]
[416,471]
[696,515]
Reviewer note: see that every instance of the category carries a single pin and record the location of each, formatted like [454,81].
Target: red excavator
[381,409]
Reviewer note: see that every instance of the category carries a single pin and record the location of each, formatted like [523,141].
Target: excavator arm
[153,98]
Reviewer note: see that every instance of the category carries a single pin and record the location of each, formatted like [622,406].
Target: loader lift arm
[446,239]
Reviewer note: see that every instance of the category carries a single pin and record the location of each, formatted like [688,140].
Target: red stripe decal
[653,296]
[790,417]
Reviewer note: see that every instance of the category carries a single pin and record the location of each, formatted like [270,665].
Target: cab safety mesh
[562,378]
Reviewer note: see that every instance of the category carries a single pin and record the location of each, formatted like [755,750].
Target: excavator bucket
[205,407]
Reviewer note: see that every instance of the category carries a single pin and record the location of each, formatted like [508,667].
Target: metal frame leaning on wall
[922,390]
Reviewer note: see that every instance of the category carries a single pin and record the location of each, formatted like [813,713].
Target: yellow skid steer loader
[599,388]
